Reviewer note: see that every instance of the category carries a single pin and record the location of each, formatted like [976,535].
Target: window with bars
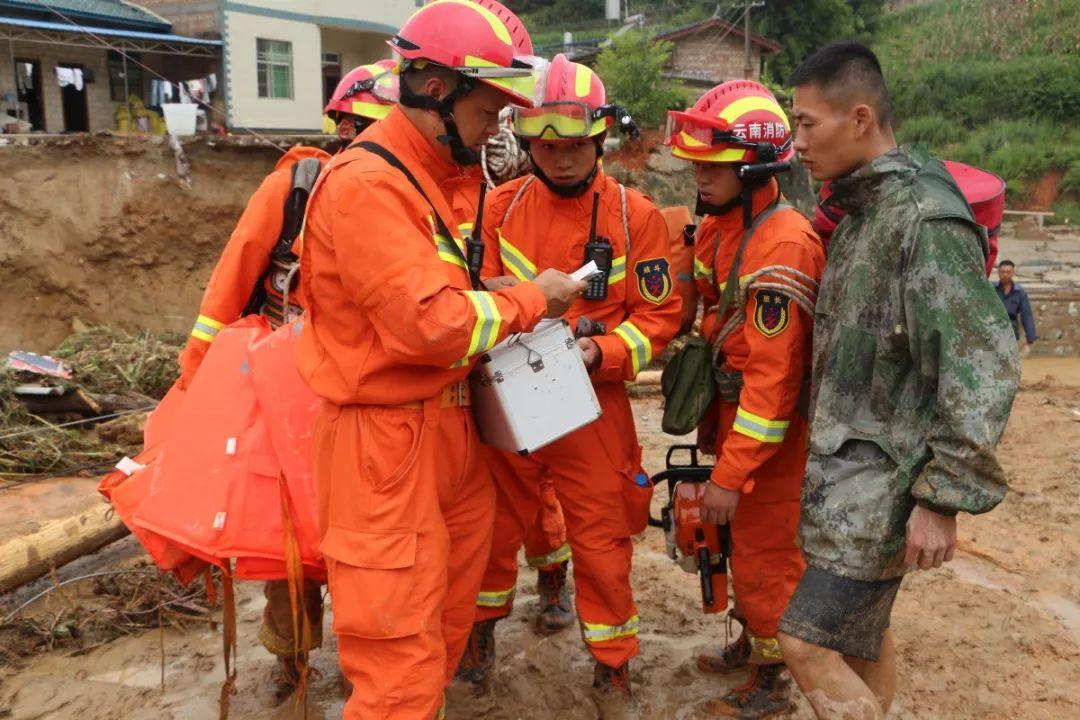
[274,68]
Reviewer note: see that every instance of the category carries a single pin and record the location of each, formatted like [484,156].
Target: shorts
[839,613]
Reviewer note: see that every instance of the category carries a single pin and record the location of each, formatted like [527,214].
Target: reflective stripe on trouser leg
[555,557]
[597,633]
[495,599]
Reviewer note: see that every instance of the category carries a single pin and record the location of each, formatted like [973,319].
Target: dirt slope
[993,636]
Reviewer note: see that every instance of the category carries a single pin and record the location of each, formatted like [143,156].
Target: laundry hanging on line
[70,76]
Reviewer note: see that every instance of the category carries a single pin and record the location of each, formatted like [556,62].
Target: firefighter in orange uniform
[405,506]
[251,276]
[758,288]
[543,221]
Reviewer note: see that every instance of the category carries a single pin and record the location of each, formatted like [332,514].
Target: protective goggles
[695,133]
[692,133]
[383,86]
[568,120]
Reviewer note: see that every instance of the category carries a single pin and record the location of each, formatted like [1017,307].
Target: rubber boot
[555,612]
[479,655]
[612,694]
[733,658]
[766,694]
[285,679]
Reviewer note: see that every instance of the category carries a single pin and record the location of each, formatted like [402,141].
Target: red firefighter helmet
[522,42]
[472,40]
[572,100]
[726,124]
[368,91]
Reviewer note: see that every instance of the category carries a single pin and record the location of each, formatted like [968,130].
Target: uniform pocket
[373,578]
[638,493]
[391,442]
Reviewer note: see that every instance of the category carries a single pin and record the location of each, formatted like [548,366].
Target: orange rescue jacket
[391,317]
[772,348]
[528,228]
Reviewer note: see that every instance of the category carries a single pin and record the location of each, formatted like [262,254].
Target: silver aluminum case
[532,389]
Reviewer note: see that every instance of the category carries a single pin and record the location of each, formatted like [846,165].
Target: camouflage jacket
[915,368]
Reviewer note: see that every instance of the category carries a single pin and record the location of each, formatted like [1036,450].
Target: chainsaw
[694,546]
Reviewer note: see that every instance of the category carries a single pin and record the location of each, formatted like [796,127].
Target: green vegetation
[631,68]
[993,84]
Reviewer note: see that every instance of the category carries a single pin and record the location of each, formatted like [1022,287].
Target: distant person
[913,379]
[1015,298]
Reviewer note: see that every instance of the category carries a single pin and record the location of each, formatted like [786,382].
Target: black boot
[767,694]
[479,655]
[612,695]
[555,612]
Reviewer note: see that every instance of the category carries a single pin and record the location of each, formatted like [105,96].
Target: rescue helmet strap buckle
[445,108]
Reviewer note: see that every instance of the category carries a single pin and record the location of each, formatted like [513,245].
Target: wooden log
[50,523]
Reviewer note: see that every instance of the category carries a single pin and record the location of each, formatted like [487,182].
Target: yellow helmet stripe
[582,81]
[748,104]
[497,25]
[375,111]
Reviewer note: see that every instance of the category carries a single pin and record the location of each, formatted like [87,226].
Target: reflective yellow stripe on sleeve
[759,428]
[206,328]
[515,261]
[702,271]
[637,342]
[494,599]
[486,330]
[596,633]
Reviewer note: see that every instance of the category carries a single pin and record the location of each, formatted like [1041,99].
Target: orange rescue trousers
[593,471]
[406,512]
[765,562]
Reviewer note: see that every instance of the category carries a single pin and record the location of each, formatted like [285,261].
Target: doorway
[73,102]
[30,91]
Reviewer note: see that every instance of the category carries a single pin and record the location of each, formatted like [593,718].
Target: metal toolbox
[532,389]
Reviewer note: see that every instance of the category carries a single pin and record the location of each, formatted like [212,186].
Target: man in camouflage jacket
[915,370]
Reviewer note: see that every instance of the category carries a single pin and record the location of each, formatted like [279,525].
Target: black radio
[599,251]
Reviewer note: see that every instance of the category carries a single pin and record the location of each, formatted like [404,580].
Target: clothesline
[184,91]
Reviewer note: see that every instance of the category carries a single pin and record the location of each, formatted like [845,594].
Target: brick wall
[100,109]
[194,18]
[704,56]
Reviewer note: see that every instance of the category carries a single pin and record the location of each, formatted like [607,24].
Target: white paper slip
[128,466]
[586,271]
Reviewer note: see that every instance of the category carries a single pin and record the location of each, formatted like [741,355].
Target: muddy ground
[994,635]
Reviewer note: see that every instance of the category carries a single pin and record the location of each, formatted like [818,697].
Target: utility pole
[748,68]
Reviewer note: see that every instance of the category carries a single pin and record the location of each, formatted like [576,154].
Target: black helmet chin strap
[445,108]
[566,191]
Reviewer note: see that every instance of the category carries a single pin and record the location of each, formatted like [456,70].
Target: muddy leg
[834,689]
[879,676]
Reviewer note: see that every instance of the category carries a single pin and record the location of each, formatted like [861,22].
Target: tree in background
[803,26]
[631,68]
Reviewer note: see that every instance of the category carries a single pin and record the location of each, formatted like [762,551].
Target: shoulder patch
[772,312]
[653,279]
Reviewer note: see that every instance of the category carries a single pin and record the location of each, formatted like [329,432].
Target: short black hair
[850,68]
[1006,263]
[415,76]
